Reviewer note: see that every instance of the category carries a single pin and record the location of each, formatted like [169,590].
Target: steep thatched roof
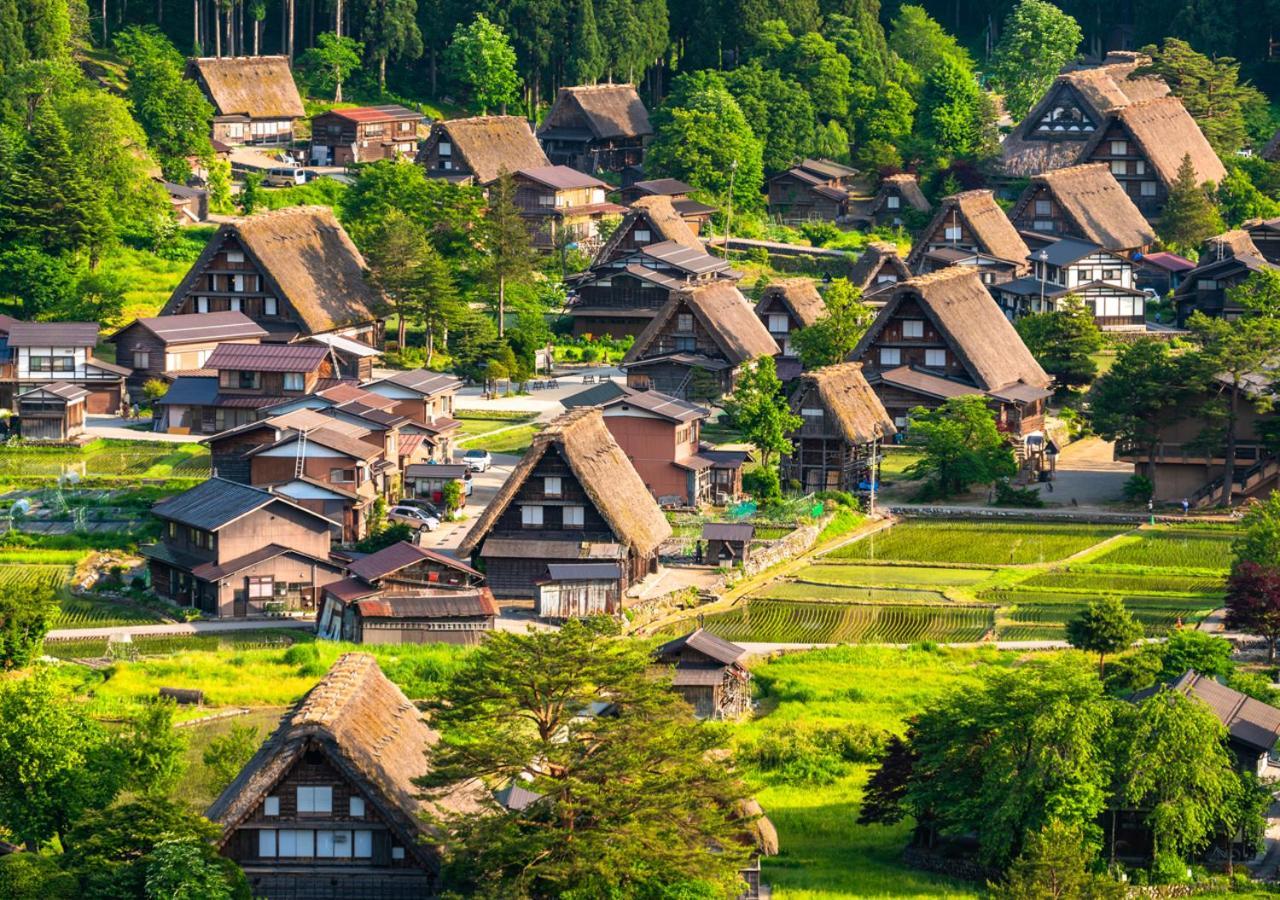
[372,734]
[1165,132]
[610,481]
[1236,242]
[986,221]
[975,329]
[907,187]
[260,87]
[800,295]
[849,401]
[1101,90]
[606,110]
[723,311]
[1097,206]
[665,224]
[872,260]
[489,144]
[308,260]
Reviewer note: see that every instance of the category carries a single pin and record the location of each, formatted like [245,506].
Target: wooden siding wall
[1150,206]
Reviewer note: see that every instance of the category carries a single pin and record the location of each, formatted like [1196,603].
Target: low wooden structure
[811,190]
[328,807]
[577,590]
[709,674]
[163,346]
[340,137]
[52,412]
[728,543]
[843,424]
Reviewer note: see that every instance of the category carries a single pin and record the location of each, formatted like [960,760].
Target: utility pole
[728,219]
[875,472]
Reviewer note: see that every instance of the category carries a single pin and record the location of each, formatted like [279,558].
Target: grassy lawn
[475,424]
[514,440]
[984,543]
[895,461]
[150,278]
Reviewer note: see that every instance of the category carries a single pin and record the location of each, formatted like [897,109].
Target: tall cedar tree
[780,113]
[1037,41]
[480,59]
[505,236]
[832,338]
[389,31]
[922,44]
[761,410]
[586,61]
[1238,352]
[961,446]
[394,251]
[1063,341]
[627,797]
[1104,627]
[1253,602]
[1147,389]
[952,110]
[1189,216]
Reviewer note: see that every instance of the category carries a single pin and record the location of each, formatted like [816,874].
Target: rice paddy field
[962,582]
[108,458]
[30,571]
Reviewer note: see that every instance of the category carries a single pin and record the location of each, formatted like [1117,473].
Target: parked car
[477,460]
[286,176]
[415,518]
[425,505]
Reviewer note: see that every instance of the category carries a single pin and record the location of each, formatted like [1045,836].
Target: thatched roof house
[255,100]
[878,268]
[854,411]
[358,735]
[310,275]
[798,296]
[1225,261]
[842,420]
[1084,202]
[972,222]
[594,508]
[897,196]
[1165,133]
[596,127]
[481,148]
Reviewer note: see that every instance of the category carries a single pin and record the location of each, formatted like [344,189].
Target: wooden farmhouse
[1054,133]
[1225,261]
[562,205]
[728,543]
[1265,234]
[897,200]
[229,549]
[697,344]
[246,379]
[694,213]
[426,397]
[709,674]
[1083,202]
[573,497]
[426,481]
[34,354]
[230,449]
[662,437]
[52,412]
[161,347]
[1161,271]
[878,268]
[1144,144]
[254,98]
[405,594]
[651,254]
[577,590]
[596,128]
[844,423]
[785,307]
[970,230]
[811,190]
[294,271]
[480,149]
[328,806]
[341,137]
[941,336]
[1103,281]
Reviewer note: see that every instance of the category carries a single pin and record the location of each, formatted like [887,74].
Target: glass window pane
[364,844]
[324,843]
[266,843]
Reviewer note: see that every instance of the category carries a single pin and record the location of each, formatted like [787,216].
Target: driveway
[484,486]
[1089,474]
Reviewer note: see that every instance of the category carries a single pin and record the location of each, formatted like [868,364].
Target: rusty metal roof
[268,357]
[390,560]
[728,531]
[440,603]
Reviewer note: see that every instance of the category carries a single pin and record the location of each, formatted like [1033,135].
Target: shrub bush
[819,233]
[1008,495]
[763,485]
[1138,489]
[814,754]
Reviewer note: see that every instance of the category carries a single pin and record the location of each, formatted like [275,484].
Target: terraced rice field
[164,644]
[1173,549]
[826,593]
[73,612]
[979,543]
[779,621]
[111,458]
[857,573]
[1032,615]
[1097,583]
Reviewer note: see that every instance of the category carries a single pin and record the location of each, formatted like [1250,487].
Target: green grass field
[856,573]
[982,543]
[108,458]
[513,440]
[1096,583]
[475,424]
[785,622]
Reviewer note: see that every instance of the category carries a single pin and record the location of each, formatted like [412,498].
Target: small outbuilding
[576,590]
[728,543]
[52,412]
[709,674]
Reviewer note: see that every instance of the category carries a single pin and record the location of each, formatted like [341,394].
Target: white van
[286,176]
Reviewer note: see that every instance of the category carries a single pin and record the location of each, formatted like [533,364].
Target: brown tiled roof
[423,381]
[488,145]
[561,177]
[610,481]
[973,326]
[343,393]
[607,110]
[373,736]
[1166,133]
[800,295]
[990,227]
[267,357]
[849,401]
[724,312]
[261,87]
[392,559]
[1096,205]
[1248,721]
[194,328]
[704,642]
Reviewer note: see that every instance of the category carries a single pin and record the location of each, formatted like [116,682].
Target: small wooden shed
[52,412]
[574,590]
[709,674]
[728,542]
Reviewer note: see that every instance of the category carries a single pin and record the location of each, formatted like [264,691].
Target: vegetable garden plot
[1174,550]
[1125,583]
[775,621]
[984,543]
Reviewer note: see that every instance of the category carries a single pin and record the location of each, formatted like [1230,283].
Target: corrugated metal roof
[561,177]
[686,259]
[584,571]
[349,589]
[191,390]
[390,560]
[728,531]
[436,604]
[704,642]
[387,112]
[53,334]
[215,503]
[1249,721]
[268,357]
[424,381]
[68,392]
[200,327]
[345,345]
[436,470]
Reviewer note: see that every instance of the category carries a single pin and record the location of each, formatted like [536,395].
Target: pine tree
[389,30]
[1189,216]
[586,61]
[506,237]
[13,50]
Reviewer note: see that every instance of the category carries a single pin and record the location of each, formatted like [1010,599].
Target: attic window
[315,799]
[1119,148]
[444,148]
[913,328]
[891,202]
[357,804]
[271,806]
[952,233]
[642,235]
[811,413]
[551,486]
[235,256]
[1043,208]
[397,853]
[684,322]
